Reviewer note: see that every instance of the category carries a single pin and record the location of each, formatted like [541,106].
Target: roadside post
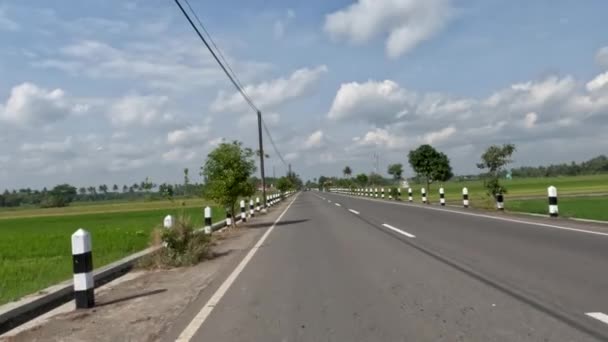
[553,210]
[82,259]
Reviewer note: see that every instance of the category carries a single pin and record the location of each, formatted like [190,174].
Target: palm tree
[347,171]
[115,188]
[125,188]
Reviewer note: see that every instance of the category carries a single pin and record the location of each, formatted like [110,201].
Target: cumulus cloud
[406,23]
[272,93]
[439,136]
[189,136]
[140,110]
[31,104]
[601,57]
[314,141]
[380,137]
[380,100]
[547,108]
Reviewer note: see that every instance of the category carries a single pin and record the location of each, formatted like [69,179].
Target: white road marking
[399,231]
[600,316]
[546,225]
[200,318]
[353,211]
[338,204]
[329,201]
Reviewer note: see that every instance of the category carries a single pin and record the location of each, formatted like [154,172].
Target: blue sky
[96,92]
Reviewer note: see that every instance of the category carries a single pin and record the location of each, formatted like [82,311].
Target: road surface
[339,268]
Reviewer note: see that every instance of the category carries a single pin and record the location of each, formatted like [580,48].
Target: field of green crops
[35,247]
[592,207]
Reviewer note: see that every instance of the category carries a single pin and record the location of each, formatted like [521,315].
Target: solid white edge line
[600,316]
[338,204]
[546,225]
[200,318]
[353,211]
[399,230]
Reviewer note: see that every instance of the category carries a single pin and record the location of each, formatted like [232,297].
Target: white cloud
[280,25]
[272,93]
[49,147]
[30,104]
[530,120]
[439,136]
[6,23]
[406,23]
[371,99]
[188,137]
[179,154]
[599,82]
[168,64]
[140,110]
[601,57]
[380,137]
[292,156]
[314,141]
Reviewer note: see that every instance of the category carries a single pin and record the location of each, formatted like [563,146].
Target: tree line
[430,166]
[592,166]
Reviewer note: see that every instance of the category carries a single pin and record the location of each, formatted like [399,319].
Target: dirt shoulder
[146,307]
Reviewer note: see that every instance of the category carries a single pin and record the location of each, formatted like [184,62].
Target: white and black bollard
[257,204]
[382,192]
[398,194]
[500,202]
[375,192]
[82,260]
[465,197]
[251,208]
[442,197]
[168,222]
[207,220]
[228,218]
[410,195]
[243,211]
[423,192]
[553,210]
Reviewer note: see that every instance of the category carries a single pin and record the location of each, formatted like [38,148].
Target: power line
[219,52]
[236,85]
[274,146]
[227,70]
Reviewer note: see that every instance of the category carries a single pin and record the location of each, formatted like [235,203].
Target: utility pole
[289,170]
[262,160]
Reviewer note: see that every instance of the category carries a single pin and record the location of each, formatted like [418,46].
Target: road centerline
[399,231]
[338,204]
[353,211]
[600,316]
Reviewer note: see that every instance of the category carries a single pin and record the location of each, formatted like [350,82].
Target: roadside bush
[183,245]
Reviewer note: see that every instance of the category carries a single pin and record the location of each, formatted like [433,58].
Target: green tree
[430,164]
[494,159]
[284,184]
[60,196]
[186,181]
[395,170]
[347,171]
[227,170]
[361,179]
[125,188]
[82,191]
[115,188]
[375,179]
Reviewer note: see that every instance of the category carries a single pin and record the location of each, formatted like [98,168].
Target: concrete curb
[16,313]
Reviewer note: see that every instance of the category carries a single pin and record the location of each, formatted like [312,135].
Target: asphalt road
[338,268]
